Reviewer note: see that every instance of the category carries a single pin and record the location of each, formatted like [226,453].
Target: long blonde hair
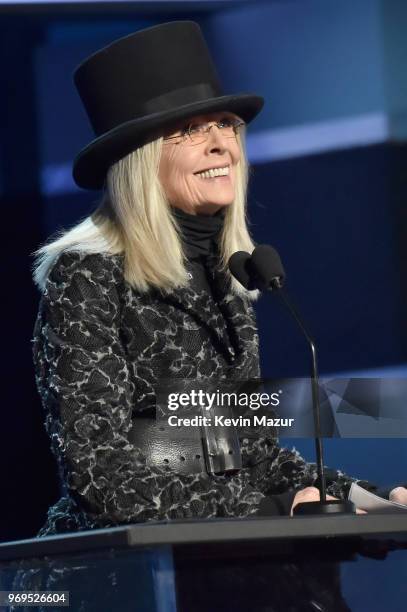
[134,218]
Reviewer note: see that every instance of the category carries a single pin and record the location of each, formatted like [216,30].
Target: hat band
[180,97]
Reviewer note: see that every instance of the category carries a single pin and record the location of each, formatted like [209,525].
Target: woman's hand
[398,495]
[311,494]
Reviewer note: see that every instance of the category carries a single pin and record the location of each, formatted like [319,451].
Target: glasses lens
[227,127]
[197,133]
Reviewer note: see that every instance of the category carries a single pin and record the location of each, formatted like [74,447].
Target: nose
[216,141]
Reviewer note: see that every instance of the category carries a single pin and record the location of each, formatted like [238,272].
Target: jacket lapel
[242,330]
[226,317]
[204,310]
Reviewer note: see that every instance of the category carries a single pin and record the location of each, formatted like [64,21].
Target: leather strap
[188,449]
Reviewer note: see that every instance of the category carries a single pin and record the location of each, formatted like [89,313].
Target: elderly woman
[139,293]
[137,299]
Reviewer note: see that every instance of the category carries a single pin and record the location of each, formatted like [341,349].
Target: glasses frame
[185,135]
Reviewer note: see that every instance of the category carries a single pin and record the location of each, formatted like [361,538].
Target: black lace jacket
[99,349]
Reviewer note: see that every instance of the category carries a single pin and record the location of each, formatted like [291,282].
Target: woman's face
[182,164]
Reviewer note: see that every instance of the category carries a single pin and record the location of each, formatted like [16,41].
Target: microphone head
[266,265]
[239,268]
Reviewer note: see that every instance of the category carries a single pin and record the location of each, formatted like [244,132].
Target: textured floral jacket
[99,349]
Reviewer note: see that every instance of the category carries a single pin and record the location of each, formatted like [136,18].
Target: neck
[200,233]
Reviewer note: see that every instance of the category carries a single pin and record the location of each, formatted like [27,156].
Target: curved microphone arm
[315,392]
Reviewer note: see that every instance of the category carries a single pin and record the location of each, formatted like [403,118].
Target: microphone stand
[323,506]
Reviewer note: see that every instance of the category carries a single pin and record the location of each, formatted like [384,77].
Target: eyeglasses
[197,133]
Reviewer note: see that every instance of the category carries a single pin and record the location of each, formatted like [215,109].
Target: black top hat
[143,83]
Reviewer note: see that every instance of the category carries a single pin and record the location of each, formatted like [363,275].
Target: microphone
[266,267]
[263,270]
[239,268]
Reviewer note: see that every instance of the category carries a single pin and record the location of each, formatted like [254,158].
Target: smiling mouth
[214,172]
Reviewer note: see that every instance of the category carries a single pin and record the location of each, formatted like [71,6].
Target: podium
[216,565]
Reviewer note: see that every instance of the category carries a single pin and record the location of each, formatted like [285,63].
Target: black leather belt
[214,449]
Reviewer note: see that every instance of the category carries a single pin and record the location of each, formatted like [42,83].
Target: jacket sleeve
[88,393]
[275,469]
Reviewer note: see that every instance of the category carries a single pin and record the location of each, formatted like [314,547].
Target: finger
[398,495]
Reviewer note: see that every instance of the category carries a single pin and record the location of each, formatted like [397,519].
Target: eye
[190,128]
[226,122]
[194,128]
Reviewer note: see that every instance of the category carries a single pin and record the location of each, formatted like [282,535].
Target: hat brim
[92,163]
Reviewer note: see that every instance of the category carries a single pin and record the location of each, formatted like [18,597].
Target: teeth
[214,172]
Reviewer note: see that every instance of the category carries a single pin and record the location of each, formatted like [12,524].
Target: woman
[139,293]
[137,298]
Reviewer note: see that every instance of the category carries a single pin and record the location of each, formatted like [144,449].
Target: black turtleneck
[201,233]
[200,238]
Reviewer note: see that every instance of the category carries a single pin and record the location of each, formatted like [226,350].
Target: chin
[210,208]
[221,201]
